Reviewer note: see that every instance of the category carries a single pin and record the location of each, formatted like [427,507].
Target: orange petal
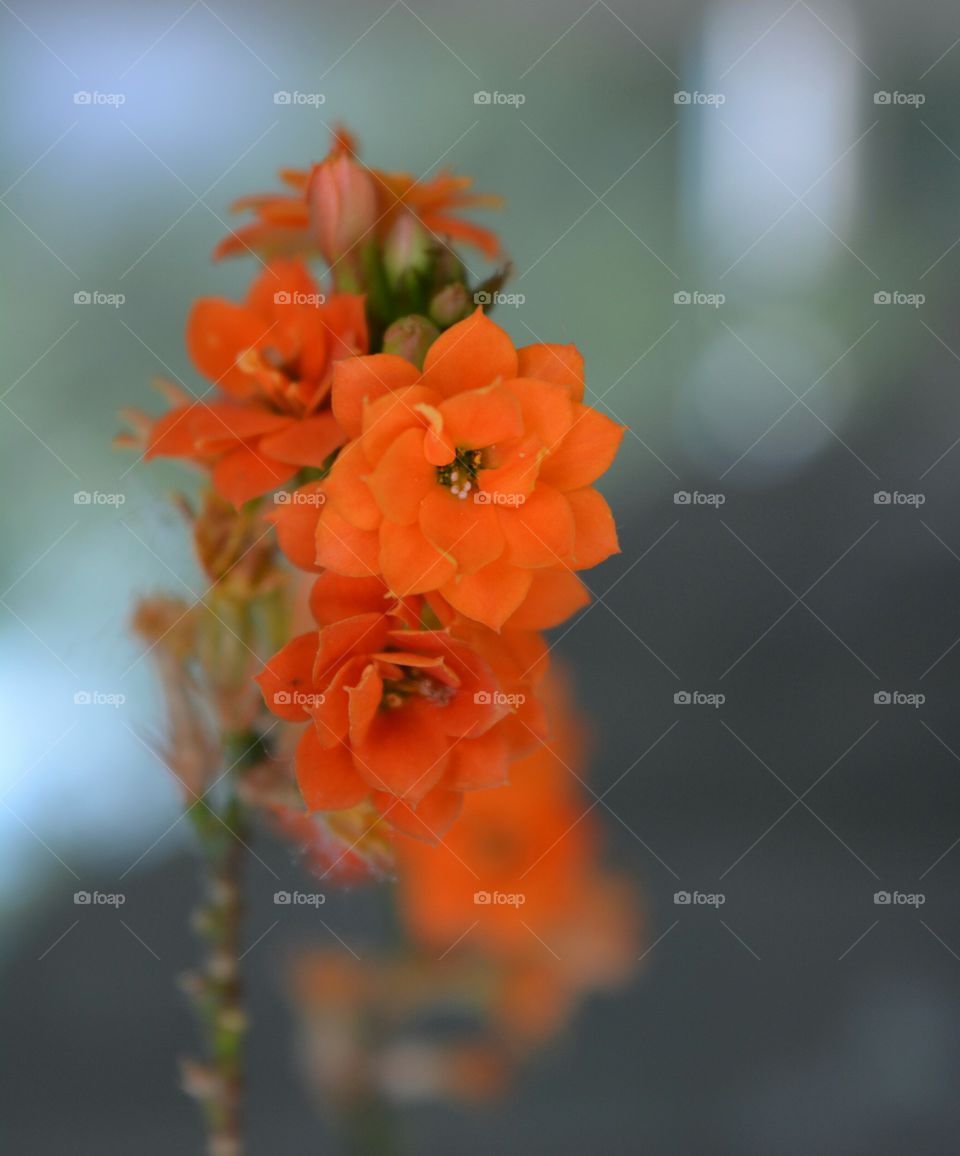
[327,779]
[434,816]
[243,474]
[469,355]
[343,640]
[515,474]
[585,453]
[282,275]
[482,417]
[335,596]
[466,530]
[308,442]
[204,428]
[540,531]
[345,548]
[360,380]
[295,520]
[490,595]
[547,409]
[288,677]
[217,333]
[409,563]
[553,597]
[365,698]
[330,712]
[387,417]
[403,478]
[347,490]
[479,762]
[403,752]
[561,364]
[595,533]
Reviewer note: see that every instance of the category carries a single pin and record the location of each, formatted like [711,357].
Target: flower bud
[450,305]
[343,205]
[407,250]
[410,338]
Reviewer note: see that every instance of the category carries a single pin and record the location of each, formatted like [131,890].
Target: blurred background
[745,216]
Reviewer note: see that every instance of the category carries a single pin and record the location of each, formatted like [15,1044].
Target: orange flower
[271,360]
[517,882]
[331,203]
[407,716]
[471,478]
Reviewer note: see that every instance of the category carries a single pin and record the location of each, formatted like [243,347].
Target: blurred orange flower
[271,362]
[405,716]
[472,478]
[338,202]
[517,880]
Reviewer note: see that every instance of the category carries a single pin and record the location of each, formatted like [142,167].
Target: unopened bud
[450,305]
[410,338]
[407,250]
[343,205]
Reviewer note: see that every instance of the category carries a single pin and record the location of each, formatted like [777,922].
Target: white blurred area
[788,128]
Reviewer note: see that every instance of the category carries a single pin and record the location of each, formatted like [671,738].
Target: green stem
[217,990]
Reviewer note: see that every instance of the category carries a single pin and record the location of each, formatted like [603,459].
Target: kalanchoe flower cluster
[435,481]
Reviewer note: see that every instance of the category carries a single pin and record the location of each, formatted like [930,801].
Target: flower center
[397,691]
[460,475]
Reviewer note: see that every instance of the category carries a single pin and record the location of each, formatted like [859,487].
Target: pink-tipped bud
[343,205]
[408,248]
[411,337]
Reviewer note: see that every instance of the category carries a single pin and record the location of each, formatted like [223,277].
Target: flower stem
[217,990]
